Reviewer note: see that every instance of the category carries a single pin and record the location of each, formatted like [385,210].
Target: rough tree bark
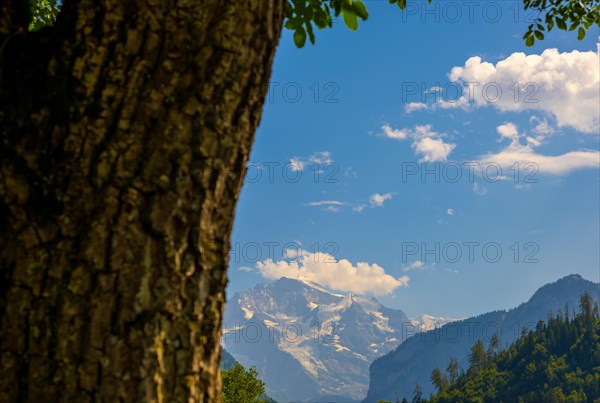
[125,131]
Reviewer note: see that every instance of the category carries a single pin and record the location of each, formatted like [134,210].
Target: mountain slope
[558,362]
[227,360]
[308,343]
[413,361]
[427,322]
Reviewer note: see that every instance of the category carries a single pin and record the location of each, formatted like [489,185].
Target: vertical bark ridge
[121,168]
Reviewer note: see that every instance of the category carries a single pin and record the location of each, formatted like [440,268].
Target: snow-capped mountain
[426,322]
[308,343]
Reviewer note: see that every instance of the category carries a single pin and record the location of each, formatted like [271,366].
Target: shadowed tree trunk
[125,131]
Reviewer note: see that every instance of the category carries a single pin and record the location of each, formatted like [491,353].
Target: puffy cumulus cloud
[566,85]
[414,106]
[394,133]
[339,275]
[377,199]
[508,130]
[426,142]
[433,150]
[515,152]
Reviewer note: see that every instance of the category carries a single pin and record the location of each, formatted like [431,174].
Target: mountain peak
[323,341]
[571,277]
[298,281]
[573,283]
[302,283]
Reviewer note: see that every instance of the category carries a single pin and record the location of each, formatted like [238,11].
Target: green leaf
[360,9]
[539,35]
[581,33]
[529,41]
[300,37]
[402,4]
[350,18]
[293,23]
[561,24]
[320,19]
[308,15]
[311,34]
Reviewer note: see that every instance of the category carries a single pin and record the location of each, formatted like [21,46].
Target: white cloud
[359,208]
[566,85]
[414,106]
[426,142]
[433,150]
[335,206]
[525,154]
[322,158]
[426,131]
[377,199]
[395,134]
[340,275]
[296,164]
[330,206]
[508,130]
[418,265]
[414,265]
[245,268]
[479,190]
[450,212]
[318,158]
[326,203]
[549,164]
[542,128]
[350,172]
[295,253]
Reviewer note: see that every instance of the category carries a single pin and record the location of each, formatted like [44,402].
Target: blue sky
[347,142]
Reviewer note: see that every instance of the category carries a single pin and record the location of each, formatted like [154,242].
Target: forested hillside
[412,362]
[559,361]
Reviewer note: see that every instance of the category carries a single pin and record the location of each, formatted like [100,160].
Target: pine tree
[452,370]
[585,304]
[417,394]
[439,380]
[477,356]
[494,345]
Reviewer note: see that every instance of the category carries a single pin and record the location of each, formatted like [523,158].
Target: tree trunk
[125,132]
